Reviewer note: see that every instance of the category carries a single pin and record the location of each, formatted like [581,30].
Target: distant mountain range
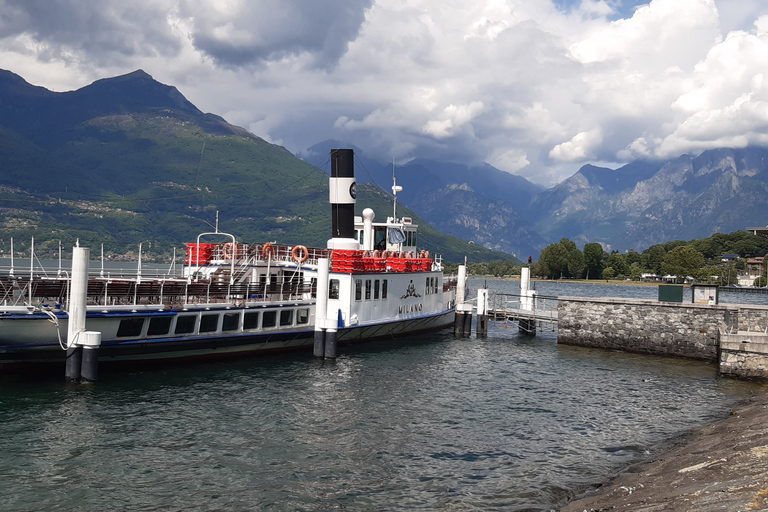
[645,203]
[127,159]
[633,207]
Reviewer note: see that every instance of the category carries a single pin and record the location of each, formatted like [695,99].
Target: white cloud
[581,147]
[526,85]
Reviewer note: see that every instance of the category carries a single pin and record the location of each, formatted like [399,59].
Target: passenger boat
[231,298]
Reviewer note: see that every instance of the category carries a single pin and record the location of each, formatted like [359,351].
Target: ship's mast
[395,190]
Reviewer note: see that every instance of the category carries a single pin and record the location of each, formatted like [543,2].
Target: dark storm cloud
[264,30]
[107,30]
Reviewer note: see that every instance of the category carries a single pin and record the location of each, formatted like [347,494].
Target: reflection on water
[428,423]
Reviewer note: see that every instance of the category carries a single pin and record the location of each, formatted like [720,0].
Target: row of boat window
[213,322]
[431,287]
[379,289]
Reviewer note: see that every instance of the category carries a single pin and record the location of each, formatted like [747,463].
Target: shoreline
[576,281]
[720,466]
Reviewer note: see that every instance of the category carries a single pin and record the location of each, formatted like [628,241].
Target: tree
[608,273]
[562,259]
[636,272]
[553,261]
[618,262]
[652,257]
[593,259]
[683,261]
[632,257]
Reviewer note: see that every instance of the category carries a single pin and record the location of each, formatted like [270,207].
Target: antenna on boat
[11,271]
[217,221]
[101,274]
[395,189]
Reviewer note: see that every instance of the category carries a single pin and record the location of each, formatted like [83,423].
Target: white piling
[461,284]
[462,323]
[527,301]
[482,311]
[78,288]
[321,306]
[82,345]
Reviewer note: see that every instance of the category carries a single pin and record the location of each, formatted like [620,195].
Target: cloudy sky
[534,87]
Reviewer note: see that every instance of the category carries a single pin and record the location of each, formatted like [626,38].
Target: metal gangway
[529,313]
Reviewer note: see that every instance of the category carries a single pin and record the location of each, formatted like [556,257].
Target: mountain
[128,159]
[645,203]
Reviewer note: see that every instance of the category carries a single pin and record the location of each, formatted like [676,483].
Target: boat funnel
[342,197]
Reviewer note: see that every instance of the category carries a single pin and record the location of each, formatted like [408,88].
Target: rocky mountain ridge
[721,190]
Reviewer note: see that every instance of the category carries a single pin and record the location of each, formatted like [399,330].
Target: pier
[733,336]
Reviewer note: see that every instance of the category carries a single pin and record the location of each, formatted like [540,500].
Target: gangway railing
[511,308]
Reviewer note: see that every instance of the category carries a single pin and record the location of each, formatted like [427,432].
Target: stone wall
[749,318]
[643,326]
[732,335]
[744,355]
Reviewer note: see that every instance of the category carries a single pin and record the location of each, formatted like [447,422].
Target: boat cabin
[392,235]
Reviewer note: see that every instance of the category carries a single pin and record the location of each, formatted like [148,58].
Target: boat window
[376,286]
[384,289]
[380,238]
[367,289]
[209,323]
[231,322]
[269,319]
[185,324]
[251,320]
[130,327]
[159,325]
[434,285]
[286,317]
[302,316]
[358,289]
[333,289]
[428,287]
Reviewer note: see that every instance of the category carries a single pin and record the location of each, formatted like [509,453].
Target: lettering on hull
[411,308]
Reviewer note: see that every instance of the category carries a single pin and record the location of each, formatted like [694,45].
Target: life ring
[377,253]
[267,251]
[409,255]
[228,251]
[424,254]
[304,254]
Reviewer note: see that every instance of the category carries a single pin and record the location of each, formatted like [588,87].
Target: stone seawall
[643,326]
[734,336]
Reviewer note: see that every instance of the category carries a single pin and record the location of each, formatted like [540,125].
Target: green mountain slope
[127,160]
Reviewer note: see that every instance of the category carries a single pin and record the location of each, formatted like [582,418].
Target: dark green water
[432,423]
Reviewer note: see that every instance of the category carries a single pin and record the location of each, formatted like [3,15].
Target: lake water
[503,423]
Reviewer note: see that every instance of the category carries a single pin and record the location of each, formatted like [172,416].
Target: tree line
[700,259]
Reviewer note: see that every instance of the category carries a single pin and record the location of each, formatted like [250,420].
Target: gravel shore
[721,467]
